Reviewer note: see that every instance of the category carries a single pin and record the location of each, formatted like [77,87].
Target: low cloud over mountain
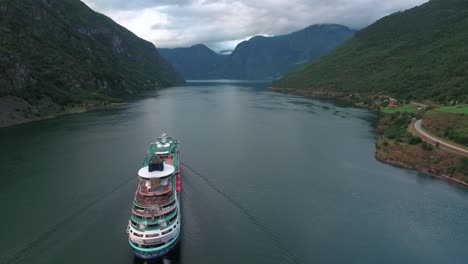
[221,24]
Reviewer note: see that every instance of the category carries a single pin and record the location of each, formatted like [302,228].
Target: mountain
[62,52]
[196,62]
[420,54]
[260,57]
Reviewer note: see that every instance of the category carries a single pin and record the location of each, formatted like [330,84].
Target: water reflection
[171,258]
[303,168]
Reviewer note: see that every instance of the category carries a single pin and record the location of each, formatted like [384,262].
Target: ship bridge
[147,174]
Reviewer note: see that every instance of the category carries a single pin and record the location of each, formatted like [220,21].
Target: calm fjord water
[275,179]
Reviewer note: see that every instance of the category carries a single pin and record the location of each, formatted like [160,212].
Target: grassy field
[452,126]
[408,108]
[457,109]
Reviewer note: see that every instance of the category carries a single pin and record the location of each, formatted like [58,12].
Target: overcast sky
[221,24]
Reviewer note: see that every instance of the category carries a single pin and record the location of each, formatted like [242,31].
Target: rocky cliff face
[64,51]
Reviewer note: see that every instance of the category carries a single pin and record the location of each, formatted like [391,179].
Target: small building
[393,102]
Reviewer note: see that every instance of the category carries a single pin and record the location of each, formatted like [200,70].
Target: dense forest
[62,50]
[417,54]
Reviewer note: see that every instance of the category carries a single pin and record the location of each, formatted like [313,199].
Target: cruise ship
[154,226]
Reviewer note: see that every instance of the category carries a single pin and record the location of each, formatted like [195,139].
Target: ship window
[138,207]
[169,213]
[169,205]
[167,231]
[152,235]
[173,219]
[154,246]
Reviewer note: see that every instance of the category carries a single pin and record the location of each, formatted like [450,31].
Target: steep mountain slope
[260,57]
[196,62]
[64,52]
[417,54]
[270,57]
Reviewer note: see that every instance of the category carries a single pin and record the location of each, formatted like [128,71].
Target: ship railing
[165,189]
[151,212]
[155,200]
[170,220]
[165,217]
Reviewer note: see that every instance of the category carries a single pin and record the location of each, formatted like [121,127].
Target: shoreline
[68,110]
[322,94]
[420,169]
[82,109]
[16,110]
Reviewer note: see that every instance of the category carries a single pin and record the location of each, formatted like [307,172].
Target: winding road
[426,135]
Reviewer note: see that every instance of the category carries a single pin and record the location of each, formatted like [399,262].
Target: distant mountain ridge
[417,54]
[60,52]
[260,57]
[196,62]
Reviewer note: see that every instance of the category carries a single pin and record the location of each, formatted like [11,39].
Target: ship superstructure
[154,227]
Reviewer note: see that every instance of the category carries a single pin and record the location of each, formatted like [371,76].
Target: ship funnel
[163,138]
[155,164]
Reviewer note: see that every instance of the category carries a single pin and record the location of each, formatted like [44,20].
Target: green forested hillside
[421,53]
[63,50]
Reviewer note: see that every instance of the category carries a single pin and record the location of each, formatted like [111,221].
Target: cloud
[112,5]
[221,24]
